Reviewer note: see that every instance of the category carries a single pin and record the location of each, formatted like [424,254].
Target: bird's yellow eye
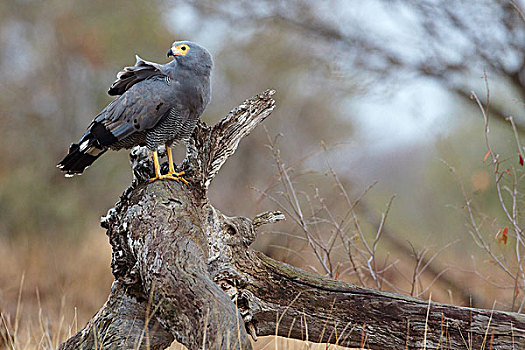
[183,49]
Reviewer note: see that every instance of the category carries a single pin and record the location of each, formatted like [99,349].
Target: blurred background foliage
[377,90]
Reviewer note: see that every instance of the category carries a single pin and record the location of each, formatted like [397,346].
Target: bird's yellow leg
[156,164]
[172,174]
[170,161]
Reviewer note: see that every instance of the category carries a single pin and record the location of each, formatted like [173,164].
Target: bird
[156,104]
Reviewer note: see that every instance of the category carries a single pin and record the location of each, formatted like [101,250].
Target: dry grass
[49,288]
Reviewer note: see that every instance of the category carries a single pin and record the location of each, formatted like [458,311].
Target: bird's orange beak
[175,52]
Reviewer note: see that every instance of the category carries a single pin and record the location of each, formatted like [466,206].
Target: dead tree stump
[185,271]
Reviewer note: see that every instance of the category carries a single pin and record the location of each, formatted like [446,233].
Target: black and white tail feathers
[91,146]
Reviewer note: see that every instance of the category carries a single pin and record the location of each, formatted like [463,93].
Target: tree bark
[185,271]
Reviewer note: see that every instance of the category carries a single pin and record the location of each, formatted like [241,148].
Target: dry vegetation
[39,283]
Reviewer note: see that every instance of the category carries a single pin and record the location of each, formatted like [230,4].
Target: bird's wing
[140,108]
[129,76]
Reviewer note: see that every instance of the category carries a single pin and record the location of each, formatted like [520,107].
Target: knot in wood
[240,230]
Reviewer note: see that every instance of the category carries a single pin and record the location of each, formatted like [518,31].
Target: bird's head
[187,53]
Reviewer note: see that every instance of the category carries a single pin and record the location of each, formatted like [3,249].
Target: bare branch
[210,147]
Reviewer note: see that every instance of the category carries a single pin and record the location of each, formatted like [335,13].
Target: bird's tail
[81,155]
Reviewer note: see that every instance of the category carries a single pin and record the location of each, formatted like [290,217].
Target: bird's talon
[170,176]
[177,177]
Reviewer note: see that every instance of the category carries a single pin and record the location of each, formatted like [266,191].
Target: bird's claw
[171,176]
[176,176]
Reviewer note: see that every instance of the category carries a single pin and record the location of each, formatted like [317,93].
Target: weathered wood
[185,271]
[323,310]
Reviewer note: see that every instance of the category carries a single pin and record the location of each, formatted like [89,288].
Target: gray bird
[158,104]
